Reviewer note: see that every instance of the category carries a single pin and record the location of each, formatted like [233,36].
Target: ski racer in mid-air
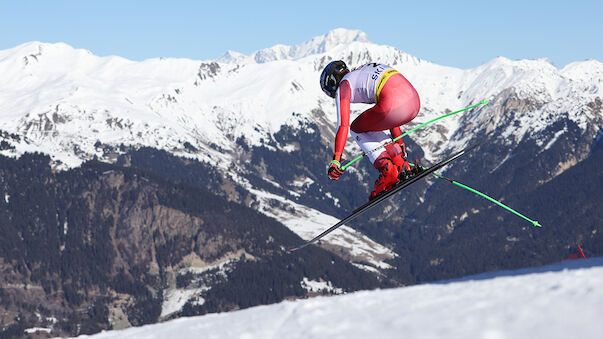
[396,103]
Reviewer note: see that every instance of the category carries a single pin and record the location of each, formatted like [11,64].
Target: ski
[418,174]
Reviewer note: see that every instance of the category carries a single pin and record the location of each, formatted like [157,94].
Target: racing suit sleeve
[342,101]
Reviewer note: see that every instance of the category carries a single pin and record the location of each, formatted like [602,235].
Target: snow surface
[175,299]
[34,330]
[562,301]
[64,100]
[319,286]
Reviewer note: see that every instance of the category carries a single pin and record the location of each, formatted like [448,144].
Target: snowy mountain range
[557,301]
[59,98]
[264,128]
[66,102]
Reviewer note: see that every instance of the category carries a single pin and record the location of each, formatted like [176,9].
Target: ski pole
[534,222]
[406,133]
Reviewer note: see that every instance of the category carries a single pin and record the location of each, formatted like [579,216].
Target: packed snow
[563,300]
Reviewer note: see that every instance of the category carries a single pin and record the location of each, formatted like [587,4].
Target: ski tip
[484,102]
[298,247]
[536,223]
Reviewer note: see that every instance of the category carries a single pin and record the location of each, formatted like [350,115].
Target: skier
[396,103]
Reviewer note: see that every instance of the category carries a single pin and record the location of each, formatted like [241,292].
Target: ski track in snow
[563,300]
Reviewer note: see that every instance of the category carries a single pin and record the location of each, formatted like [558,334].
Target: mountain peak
[37,48]
[344,36]
[316,45]
[231,57]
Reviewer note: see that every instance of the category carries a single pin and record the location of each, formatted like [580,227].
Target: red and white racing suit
[396,103]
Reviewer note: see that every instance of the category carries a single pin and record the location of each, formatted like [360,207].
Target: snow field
[559,301]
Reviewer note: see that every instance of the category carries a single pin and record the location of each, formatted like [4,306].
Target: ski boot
[404,170]
[409,172]
[397,153]
[401,163]
[388,177]
[416,169]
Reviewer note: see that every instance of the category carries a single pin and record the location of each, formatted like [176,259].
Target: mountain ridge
[259,135]
[75,107]
[254,108]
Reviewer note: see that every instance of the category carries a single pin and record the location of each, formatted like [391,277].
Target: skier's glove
[335,170]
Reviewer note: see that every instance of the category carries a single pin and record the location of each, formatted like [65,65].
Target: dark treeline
[78,243]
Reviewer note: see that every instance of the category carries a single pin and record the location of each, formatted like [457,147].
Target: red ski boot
[398,155]
[401,163]
[388,176]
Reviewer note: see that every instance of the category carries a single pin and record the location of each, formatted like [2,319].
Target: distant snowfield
[564,300]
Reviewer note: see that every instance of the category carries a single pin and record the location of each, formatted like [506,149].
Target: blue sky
[461,34]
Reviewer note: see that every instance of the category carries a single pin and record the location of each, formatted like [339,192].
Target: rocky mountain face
[257,132]
[103,246]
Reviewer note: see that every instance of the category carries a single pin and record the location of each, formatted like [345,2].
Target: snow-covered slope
[62,100]
[559,301]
